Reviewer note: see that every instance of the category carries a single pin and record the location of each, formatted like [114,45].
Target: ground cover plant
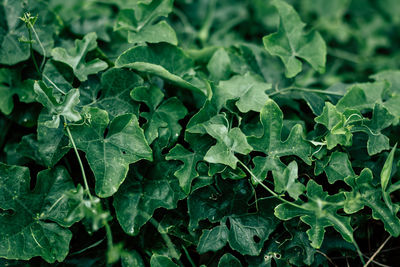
[199,133]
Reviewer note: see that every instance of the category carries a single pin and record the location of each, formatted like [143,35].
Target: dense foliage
[189,133]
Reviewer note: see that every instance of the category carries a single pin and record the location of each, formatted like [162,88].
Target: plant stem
[40,44]
[166,238]
[108,234]
[79,160]
[188,256]
[31,49]
[267,188]
[377,251]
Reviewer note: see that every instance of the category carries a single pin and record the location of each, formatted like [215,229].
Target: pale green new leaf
[229,142]
[65,108]
[286,181]
[35,225]
[248,90]
[109,155]
[291,42]
[76,57]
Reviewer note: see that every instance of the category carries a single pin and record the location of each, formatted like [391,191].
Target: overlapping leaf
[291,42]
[76,57]
[33,221]
[109,154]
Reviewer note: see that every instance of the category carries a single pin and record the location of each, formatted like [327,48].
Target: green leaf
[161,261]
[109,155]
[387,169]
[219,65]
[10,85]
[319,212]
[337,124]
[33,221]
[286,181]
[75,57]
[270,143]
[188,172]
[65,108]
[229,141]
[48,146]
[116,85]
[248,232]
[338,167]
[214,202]
[362,96]
[164,60]
[381,119]
[144,192]
[366,194]
[157,33]
[164,116]
[291,42]
[142,14]
[213,240]
[132,258]
[248,89]
[229,260]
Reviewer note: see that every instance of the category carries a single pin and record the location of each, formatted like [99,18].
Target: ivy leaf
[75,58]
[109,155]
[338,167]
[161,261]
[138,198]
[48,146]
[286,181]
[213,240]
[319,212]
[381,119]
[337,124]
[262,165]
[364,193]
[116,85]
[249,89]
[229,260]
[143,14]
[229,141]
[34,219]
[219,65]
[248,232]
[270,143]
[164,115]
[65,108]
[188,172]
[164,60]
[387,169]
[157,33]
[291,42]
[362,96]
[227,197]
[10,85]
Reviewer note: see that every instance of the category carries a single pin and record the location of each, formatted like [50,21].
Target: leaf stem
[166,238]
[188,256]
[377,251]
[295,88]
[79,160]
[267,188]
